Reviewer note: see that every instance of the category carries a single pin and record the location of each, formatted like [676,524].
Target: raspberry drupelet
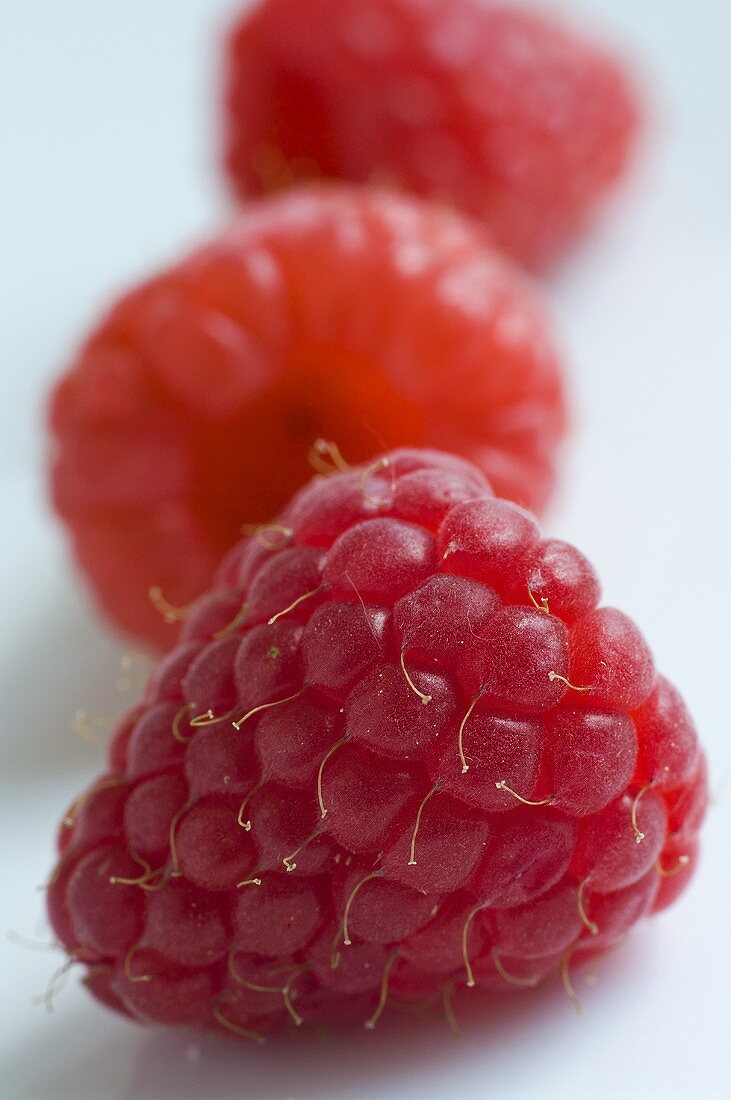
[398,749]
[505,113]
[331,311]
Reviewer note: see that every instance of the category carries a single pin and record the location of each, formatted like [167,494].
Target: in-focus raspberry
[289,831]
[506,113]
[330,312]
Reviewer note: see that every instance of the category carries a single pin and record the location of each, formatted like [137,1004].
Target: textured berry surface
[332,312]
[387,766]
[505,113]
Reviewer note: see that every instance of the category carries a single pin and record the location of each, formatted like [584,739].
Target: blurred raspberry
[331,312]
[388,766]
[503,112]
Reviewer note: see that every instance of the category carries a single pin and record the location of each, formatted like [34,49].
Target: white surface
[106,113]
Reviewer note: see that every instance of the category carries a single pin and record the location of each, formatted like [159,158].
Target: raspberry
[290,831]
[331,311]
[505,113]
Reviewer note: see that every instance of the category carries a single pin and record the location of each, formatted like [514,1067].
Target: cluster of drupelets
[397,750]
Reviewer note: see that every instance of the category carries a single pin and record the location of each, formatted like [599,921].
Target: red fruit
[676,867]
[291,739]
[491,744]
[438,945]
[517,661]
[153,744]
[382,910]
[499,972]
[376,823]
[548,924]
[215,762]
[609,854]
[356,971]
[442,852]
[505,113]
[365,797]
[688,802]
[591,757]
[98,815]
[149,813]
[433,622]
[610,660]
[106,912]
[340,642]
[210,849]
[185,926]
[151,989]
[280,916]
[529,852]
[609,917]
[280,821]
[333,312]
[384,713]
[566,580]
[669,744]
[254,988]
[119,743]
[98,981]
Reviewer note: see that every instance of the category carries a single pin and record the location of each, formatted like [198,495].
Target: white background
[107,117]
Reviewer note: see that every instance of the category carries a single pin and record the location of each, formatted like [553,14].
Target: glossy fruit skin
[505,113]
[330,312]
[315,809]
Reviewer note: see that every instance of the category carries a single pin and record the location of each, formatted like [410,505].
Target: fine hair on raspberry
[399,750]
